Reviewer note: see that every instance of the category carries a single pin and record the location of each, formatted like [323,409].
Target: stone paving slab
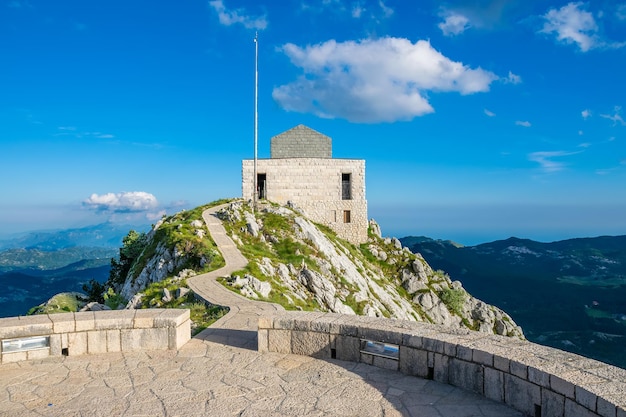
[210,379]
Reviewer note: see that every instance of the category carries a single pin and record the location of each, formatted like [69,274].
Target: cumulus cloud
[489,113]
[585,114]
[547,162]
[369,81]
[238,16]
[523,123]
[124,202]
[453,23]
[572,24]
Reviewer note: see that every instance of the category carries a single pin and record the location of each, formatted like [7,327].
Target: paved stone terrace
[220,373]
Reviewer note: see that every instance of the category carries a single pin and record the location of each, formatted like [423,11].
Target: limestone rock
[251,224]
[94,306]
[375,228]
[182,292]
[167,296]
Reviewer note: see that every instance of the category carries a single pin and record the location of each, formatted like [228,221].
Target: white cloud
[547,162]
[357,11]
[124,202]
[512,78]
[585,114]
[230,17]
[369,81]
[387,11]
[523,123]
[616,118]
[454,23]
[489,113]
[572,24]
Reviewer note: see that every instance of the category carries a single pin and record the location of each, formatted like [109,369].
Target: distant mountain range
[35,266]
[569,294]
[103,235]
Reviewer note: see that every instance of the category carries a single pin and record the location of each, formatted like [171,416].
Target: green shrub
[453,299]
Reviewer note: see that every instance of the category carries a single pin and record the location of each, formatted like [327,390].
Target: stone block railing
[39,336]
[534,379]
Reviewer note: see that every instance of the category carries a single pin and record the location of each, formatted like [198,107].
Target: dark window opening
[65,352]
[346,216]
[346,187]
[537,410]
[261,182]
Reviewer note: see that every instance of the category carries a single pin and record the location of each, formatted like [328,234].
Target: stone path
[239,327]
[219,373]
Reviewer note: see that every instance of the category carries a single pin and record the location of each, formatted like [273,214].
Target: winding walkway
[238,327]
[219,373]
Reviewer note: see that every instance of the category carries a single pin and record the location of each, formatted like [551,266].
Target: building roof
[301,142]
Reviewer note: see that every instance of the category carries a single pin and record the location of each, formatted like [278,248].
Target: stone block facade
[301,171]
[94,332]
[314,185]
[534,379]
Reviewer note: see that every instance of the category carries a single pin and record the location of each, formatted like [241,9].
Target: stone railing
[39,336]
[534,379]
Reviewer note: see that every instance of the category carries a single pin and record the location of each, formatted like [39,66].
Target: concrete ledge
[534,379]
[92,333]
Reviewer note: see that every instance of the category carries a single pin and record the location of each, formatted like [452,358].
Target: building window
[346,216]
[346,187]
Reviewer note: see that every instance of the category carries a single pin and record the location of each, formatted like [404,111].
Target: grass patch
[202,314]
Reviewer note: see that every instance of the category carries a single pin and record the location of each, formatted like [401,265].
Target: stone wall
[534,379]
[301,142]
[94,332]
[314,186]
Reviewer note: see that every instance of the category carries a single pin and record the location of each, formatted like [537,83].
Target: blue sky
[478,120]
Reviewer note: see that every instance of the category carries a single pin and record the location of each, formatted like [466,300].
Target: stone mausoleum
[302,171]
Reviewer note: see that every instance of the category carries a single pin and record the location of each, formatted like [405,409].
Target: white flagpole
[256,117]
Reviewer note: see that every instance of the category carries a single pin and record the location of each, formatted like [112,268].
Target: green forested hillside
[569,294]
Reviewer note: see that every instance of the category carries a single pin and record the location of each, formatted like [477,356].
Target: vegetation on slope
[289,268]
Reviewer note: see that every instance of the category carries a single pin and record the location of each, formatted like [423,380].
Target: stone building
[302,171]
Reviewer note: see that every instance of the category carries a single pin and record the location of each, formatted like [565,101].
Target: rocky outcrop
[161,265]
[302,266]
[382,279]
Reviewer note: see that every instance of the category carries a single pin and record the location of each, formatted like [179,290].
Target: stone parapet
[36,337]
[534,379]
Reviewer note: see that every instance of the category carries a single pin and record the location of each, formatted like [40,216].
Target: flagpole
[256,117]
